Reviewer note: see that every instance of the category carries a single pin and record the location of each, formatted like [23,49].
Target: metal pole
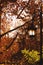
[41,34]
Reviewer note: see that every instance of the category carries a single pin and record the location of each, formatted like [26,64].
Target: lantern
[32,30]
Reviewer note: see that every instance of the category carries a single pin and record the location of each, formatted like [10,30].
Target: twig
[11,42]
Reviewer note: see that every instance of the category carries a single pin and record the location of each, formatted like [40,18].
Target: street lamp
[32,30]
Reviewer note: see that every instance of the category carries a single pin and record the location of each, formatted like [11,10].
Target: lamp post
[41,34]
[32,33]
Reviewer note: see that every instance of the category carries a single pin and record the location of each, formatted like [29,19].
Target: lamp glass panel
[33,32]
[30,32]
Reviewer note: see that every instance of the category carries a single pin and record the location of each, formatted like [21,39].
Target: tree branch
[12,30]
[7,47]
[23,9]
[17,17]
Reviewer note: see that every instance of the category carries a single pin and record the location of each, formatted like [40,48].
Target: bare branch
[7,47]
[23,9]
[13,29]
